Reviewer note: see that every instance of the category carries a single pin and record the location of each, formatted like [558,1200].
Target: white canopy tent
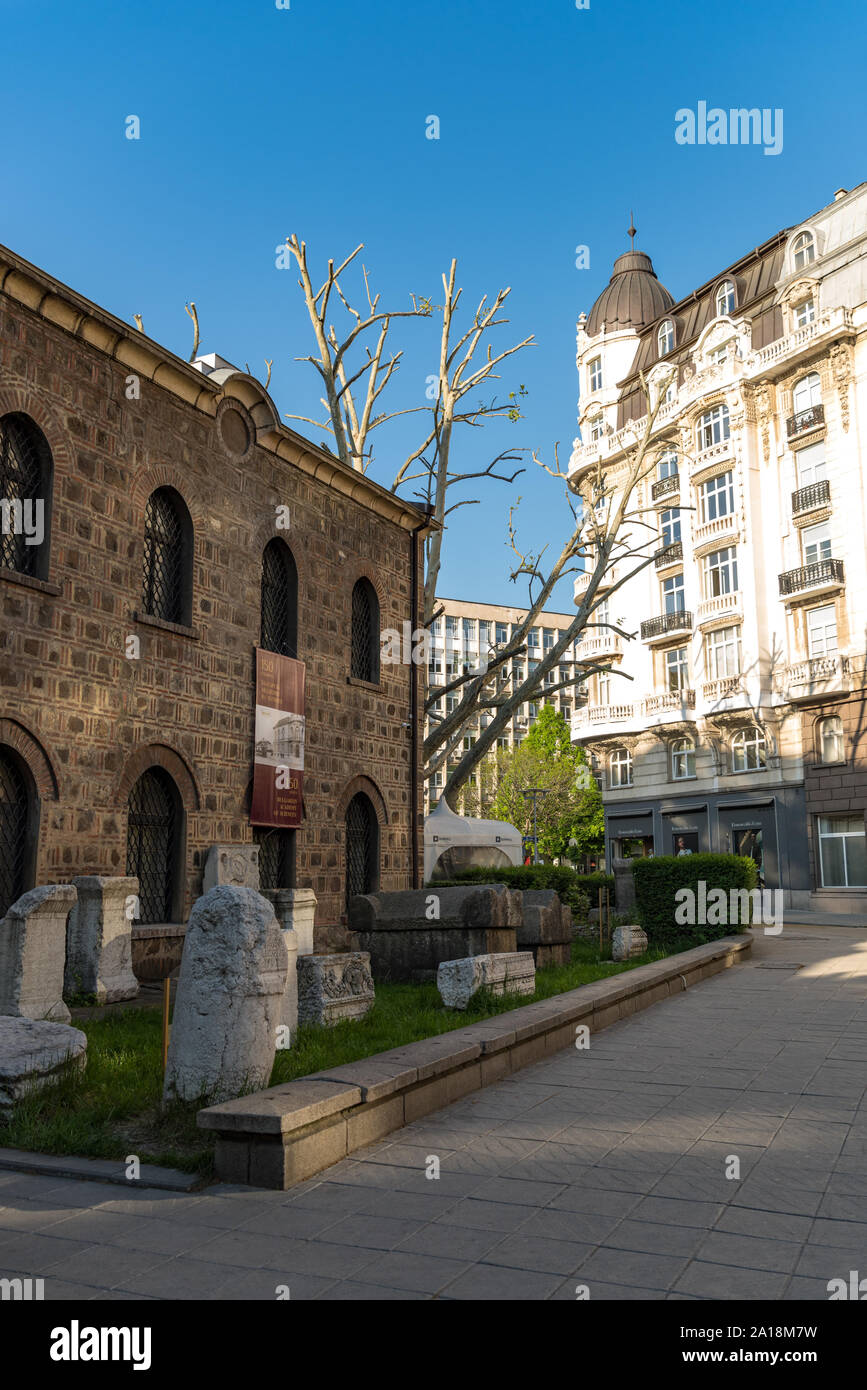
[453,843]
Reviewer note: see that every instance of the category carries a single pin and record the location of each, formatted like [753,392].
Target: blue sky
[555,122]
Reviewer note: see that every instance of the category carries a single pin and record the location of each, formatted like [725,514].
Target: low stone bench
[278,1137]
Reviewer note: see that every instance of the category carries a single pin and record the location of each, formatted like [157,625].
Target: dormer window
[803,250]
[725,299]
[594,369]
[665,337]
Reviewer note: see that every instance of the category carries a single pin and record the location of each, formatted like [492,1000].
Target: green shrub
[657,881]
[578,891]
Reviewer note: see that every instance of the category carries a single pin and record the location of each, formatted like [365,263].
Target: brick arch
[365,569]
[150,477]
[371,791]
[16,395]
[41,766]
[159,755]
[266,531]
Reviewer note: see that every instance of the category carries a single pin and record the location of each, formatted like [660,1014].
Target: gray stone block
[235,865]
[628,942]
[35,1053]
[508,973]
[335,987]
[33,953]
[231,997]
[409,934]
[99,939]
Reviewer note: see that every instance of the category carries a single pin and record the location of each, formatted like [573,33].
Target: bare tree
[615,541]
[350,423]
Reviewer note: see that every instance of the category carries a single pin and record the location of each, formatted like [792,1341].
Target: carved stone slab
[628,942]
[335,987]
[237,865]
[99,939]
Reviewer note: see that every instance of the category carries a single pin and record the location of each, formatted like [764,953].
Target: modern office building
[461,638]
[743,729]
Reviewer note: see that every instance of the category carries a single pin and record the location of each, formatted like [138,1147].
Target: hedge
[657,881]
[577,891]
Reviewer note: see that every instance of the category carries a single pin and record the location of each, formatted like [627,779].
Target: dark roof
[755,277]
[632,298]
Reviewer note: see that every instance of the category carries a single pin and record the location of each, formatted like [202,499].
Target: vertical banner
[278,761]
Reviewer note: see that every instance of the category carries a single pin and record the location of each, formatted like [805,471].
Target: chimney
[841,193]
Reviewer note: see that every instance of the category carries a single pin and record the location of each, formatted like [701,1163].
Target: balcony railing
[806,499]
[811,576]
[669,555]
[805,420]
[671,700]
[664,486]
[666,622]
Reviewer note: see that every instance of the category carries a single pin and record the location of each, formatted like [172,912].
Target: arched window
[25,496]
[620,768]
[714,427]
[683,759]
[807,393]
[153,845]
[831,745]
[168,557]
[279,630]
[803,250]
[276,858]
[748,750]
[17,832]
[365,632]
[725,299]
[665,337]
[362,847]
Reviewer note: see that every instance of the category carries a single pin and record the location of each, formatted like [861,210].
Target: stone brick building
[128,639]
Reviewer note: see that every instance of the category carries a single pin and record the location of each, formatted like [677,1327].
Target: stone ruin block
[35,1053]
[546,927]
[33,953]
[628,942]
[295,909]
[332,988]
[409,934]
[624,885]
[230,1000]
[99,939]
[235,865]
[512,972]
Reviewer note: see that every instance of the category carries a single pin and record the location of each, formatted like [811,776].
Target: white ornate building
[743,728]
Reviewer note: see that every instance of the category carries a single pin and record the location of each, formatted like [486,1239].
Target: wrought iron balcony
[806,499]
[664,486]
[680,621]
[821,572]
[669,555]
[805,421]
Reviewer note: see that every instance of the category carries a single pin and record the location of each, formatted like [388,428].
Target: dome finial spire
[632,229]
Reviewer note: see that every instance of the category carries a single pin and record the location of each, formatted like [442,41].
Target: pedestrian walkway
[602,1169]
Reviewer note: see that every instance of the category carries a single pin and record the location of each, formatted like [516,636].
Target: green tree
[570,810]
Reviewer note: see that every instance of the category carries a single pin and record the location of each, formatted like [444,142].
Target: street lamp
[535,792]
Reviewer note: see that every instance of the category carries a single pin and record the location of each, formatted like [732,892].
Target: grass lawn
[112,1108]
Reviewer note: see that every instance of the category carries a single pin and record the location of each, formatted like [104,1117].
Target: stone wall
[88,721]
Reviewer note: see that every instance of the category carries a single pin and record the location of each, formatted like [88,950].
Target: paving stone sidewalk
[604,1167]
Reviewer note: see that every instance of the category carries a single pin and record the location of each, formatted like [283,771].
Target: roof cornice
[62,307]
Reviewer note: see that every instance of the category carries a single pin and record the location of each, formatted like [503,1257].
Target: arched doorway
[362,847]
[16,805]
[154,835]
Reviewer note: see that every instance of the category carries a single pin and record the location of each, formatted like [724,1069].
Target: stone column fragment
[33,952]
[99,939]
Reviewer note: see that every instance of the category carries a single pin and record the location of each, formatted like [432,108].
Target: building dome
[633,297]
